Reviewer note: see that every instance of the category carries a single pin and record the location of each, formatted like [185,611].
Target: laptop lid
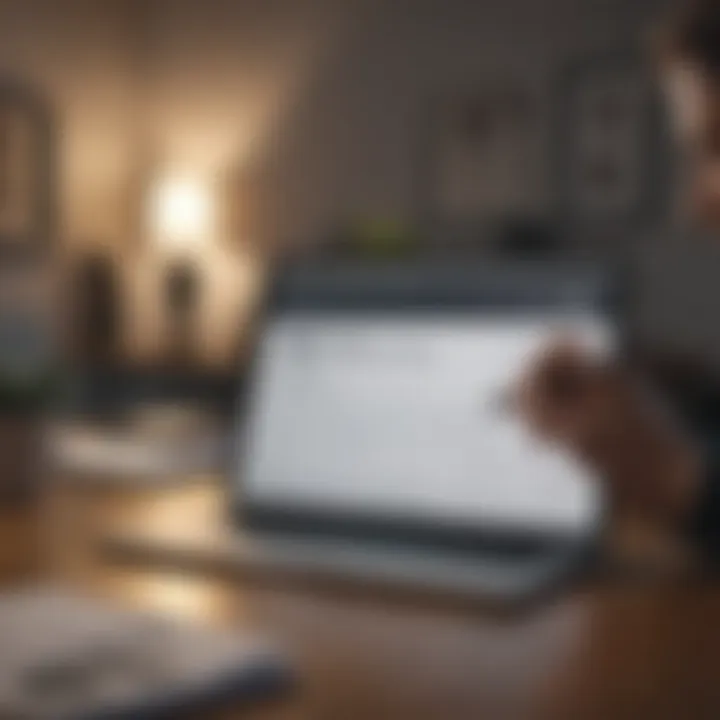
[375,410]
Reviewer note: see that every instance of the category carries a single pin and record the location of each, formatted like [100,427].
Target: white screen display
[402,417]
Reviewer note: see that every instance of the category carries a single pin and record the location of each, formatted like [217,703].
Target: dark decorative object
[610,149]
[97,308]
[28,377]
[27,227]
[526,239]
[181,296]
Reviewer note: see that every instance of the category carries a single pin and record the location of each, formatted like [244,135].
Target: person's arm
[614,417]
[703,528]
[693,387]
[690,382]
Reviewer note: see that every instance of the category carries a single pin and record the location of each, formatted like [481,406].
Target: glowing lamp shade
[181,214]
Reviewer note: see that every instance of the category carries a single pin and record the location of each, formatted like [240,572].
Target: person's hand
[601,413]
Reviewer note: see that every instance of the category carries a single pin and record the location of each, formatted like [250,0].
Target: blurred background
[192,143]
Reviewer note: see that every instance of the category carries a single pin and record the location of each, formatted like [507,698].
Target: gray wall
[319,107]
[352,143]
[327,101]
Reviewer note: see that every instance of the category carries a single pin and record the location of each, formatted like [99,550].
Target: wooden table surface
[616,650]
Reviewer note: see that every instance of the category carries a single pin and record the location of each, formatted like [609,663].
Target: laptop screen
[401,415]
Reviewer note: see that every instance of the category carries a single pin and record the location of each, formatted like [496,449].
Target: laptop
[374,443]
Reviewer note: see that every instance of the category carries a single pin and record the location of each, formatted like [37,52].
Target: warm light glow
[181,214]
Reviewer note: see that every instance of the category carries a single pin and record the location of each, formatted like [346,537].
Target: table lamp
[181,213]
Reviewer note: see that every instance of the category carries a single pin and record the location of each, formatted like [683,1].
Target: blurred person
[601,410]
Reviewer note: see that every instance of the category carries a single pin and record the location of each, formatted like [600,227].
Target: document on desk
[401,417]
[69,656]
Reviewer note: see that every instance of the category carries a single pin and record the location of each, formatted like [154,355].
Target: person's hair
[693,34]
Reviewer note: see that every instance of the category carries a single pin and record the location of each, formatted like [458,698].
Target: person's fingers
[554,396]
[598,411]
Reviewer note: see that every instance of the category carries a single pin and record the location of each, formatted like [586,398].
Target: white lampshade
[181,214]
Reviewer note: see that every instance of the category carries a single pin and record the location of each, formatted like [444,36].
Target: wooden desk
[612,652]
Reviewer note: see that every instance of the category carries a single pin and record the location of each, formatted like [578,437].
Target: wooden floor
[617,650]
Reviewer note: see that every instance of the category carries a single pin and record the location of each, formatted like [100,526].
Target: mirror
[26,169]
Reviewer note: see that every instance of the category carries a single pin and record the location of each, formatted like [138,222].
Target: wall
[145,88]
[76,52]
[300,112]
[352,144]
[319,106]
[221,80]
[329,97]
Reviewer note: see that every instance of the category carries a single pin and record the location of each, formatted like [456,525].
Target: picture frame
[26,170]
[482,139]
[611,152]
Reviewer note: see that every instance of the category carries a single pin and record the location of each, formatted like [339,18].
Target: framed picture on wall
[17,168]
[482,152]
[609,143]
[25,169]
